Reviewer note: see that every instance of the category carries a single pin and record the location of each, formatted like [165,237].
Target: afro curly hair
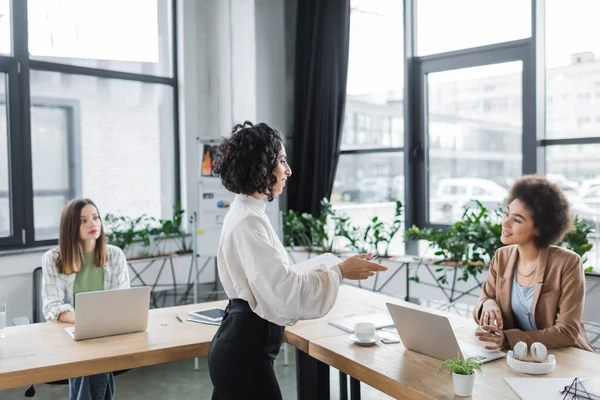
[548,206]
[246,161]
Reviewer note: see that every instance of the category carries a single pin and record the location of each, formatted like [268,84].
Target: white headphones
[539,352]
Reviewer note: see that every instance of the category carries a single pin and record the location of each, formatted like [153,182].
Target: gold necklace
[529,274]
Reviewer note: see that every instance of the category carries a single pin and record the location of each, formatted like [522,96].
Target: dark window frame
[17,66]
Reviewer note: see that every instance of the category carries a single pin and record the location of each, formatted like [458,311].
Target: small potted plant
[463,373]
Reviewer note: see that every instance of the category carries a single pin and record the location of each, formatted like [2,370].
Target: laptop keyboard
[478,357]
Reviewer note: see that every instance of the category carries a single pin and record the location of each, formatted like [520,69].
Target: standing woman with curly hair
[265,294]
[535,290]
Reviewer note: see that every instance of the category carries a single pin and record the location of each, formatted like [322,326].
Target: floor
[179,380]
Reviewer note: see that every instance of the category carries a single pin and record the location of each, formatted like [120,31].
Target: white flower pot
[463,384]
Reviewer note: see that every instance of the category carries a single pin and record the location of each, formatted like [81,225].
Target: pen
[178,319]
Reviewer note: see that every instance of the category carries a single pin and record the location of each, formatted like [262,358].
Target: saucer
[369,342]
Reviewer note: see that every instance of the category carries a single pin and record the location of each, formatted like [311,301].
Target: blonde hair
[70,253]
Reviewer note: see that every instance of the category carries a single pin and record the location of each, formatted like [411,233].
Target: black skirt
[241,355]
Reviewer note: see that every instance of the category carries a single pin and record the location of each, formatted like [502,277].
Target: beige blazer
[558,297]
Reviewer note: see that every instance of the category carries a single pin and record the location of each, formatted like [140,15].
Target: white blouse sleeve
[282,296]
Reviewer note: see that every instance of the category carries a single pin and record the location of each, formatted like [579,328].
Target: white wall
[232,68]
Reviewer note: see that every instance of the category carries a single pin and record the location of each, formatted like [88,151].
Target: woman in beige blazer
[534,291]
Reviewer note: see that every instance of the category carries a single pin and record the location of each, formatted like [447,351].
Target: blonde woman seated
[534,291]
[83,262]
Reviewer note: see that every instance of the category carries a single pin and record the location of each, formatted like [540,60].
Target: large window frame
[17,67]
[518,50]
[529,51]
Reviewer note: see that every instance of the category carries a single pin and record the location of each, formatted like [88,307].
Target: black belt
[238,306]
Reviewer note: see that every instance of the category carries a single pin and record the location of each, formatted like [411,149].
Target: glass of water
[2,320]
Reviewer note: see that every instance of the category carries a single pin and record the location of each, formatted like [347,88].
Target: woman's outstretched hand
[359,267]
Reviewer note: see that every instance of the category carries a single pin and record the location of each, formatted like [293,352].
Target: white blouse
[253,266]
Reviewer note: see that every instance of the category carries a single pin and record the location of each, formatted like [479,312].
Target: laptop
[432,335]
[110,312]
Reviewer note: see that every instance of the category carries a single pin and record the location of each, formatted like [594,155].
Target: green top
[89,278]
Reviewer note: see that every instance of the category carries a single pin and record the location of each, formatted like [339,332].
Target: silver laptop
[110,312]
[432,335]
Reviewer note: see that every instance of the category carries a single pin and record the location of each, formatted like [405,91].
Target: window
[5,37]
[371,167]
[572,53]
[75,32]
[52,146]
[120,133]
[375,78]
[444,25]
[98,119]
[467,149]
[369,178]
[575,169]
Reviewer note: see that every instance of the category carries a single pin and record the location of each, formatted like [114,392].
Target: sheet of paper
[539,388]
[327,260]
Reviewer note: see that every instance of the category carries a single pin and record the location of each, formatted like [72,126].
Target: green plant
[470,242]
[461,366]
[150,233]
[304,229]
[319,233]
[577,240]
[379,234]
[372,238]
[123,232]
[173,229]
[345,229]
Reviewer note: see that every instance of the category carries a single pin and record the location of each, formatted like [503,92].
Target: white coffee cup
[364,331]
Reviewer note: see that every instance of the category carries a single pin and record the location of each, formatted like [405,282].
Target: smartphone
[388,337]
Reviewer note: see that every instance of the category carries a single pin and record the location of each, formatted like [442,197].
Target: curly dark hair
[246,161]
[548,206]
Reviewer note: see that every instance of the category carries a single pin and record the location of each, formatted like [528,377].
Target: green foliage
[467,366]
[577,240]
[124,232]
[472,241]
[319,233]
[306,230]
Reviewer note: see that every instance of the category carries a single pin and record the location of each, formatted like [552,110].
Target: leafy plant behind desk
[150,233]
[123,231]
[473,240]
[378,234]
[319,233]
[173,229]
[470,242]
[308,231]
[577,240]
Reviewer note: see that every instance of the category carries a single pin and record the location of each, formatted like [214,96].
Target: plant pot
[463,384]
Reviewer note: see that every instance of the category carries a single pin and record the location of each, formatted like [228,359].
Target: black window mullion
[21,54]
[15,195]
[17,68]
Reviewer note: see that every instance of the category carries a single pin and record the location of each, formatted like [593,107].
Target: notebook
[548,388]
